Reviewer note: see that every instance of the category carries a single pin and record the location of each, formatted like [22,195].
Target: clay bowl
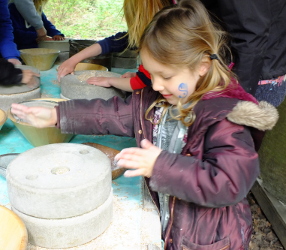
[3,118]
[40,58]
[40,136]
[89,66]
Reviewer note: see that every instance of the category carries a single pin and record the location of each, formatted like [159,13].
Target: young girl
[25,35]
[202,160]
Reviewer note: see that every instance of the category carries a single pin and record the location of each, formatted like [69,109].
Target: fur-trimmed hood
[262,116]
[247,111]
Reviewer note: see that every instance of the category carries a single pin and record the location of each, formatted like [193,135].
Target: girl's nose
[156,85]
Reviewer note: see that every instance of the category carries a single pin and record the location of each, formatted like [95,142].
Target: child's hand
[142,160]
[128,75]
[99,81]
[67,67]
[39,117]
[44,38]
[15,61]
[58,38]
[29,78]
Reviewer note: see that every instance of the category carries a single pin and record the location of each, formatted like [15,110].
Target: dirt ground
[263,236]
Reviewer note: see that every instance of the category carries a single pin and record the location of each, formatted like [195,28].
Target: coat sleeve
[28,11]
[8,48]
[221,175]
[142,78]
[115,43]
[51,29]
[96,117]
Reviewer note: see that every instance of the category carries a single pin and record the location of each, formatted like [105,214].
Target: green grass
[86,19]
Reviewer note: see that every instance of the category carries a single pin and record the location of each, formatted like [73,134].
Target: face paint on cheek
[183,88]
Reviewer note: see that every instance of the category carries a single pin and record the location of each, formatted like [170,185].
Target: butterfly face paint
[183,88]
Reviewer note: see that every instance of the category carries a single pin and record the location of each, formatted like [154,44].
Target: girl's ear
[204,66]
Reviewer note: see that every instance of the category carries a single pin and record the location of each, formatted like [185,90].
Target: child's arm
[69,65]
[116,82]
[221,176]
[116,43]
[90,117]
[12,76]
[39,117]
[51,29]
[138,80]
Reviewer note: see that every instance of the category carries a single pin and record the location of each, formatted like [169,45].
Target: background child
[25,35]
[138,15]
[202,160]
[30,14]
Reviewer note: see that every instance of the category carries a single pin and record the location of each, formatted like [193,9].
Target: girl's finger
[129,163]
[133,173]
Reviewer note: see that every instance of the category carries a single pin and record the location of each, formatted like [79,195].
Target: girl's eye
[167,78]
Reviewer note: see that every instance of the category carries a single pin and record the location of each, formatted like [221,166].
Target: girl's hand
[29,78]
[99,81]
[128,75]
[39,117]
[58,38]
[141,160]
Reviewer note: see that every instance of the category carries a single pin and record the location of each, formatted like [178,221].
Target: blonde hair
[138,14]
[39,5]
[184,35]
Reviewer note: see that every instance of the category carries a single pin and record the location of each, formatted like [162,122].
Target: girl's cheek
[183,90]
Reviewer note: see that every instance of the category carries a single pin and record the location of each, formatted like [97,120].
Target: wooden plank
[274,210]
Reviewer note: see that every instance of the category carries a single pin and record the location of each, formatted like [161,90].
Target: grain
[83,76]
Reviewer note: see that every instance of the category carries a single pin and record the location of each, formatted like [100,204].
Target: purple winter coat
[209,180]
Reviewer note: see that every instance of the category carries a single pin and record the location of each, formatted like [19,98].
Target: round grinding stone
[76,87]
[20,92]
[70,232]
[59,180]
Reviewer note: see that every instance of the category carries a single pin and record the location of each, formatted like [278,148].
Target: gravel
[263,236]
